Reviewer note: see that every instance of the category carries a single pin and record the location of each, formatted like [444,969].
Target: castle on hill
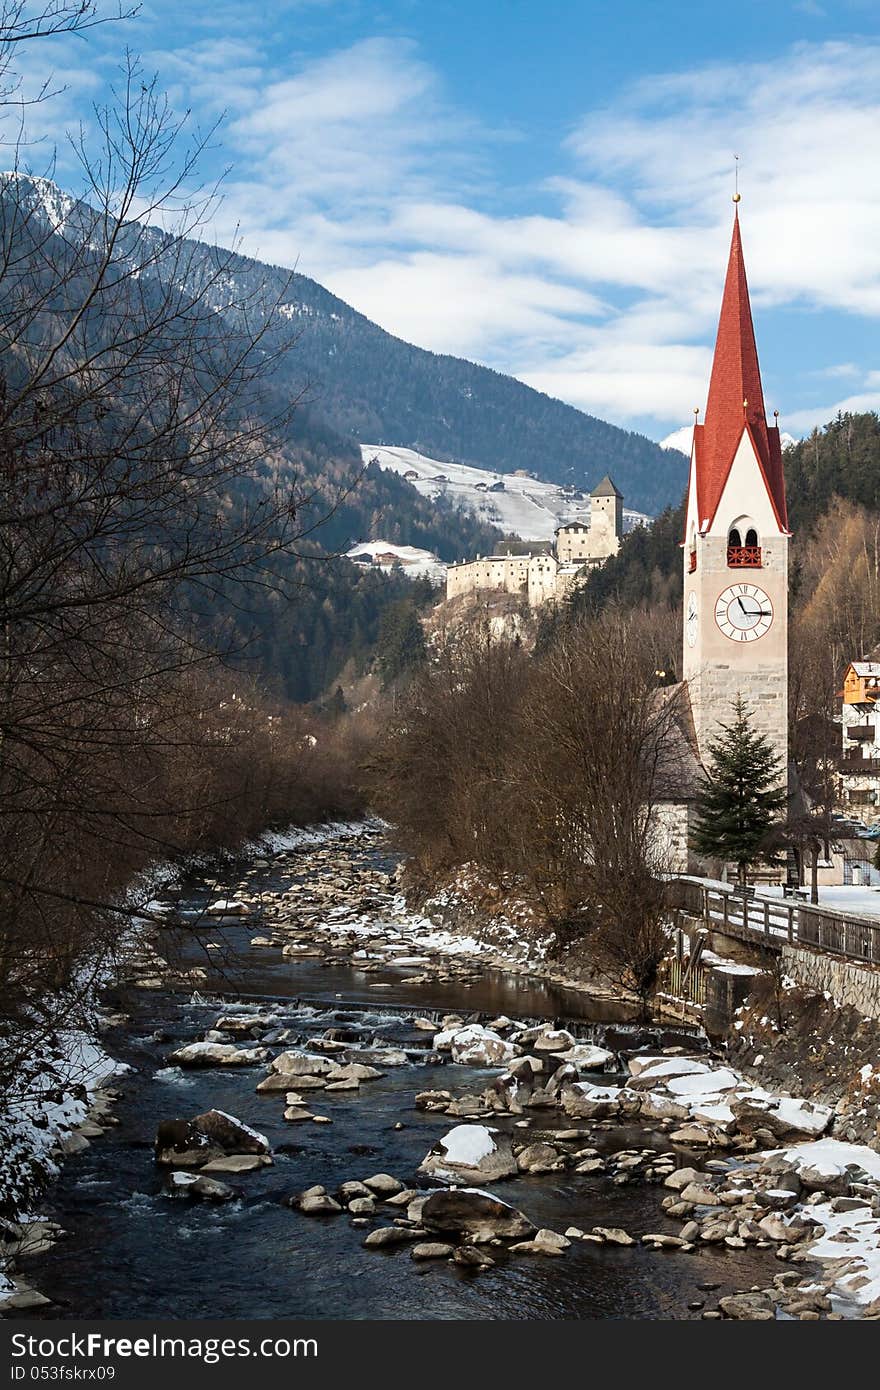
[542,572]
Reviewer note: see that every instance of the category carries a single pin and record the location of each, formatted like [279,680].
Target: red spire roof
[736,401]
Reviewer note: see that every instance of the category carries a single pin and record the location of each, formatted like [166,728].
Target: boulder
[590,1165]
[432,1250]
[391,1235]
[244,1023]
[384,1184]
[204,1139]
[544,1242]
[479,1216]
[227,907]
[199,1188]
[782,1116]
[588,1058]
[347,1190]
[700,1196]
[553,1040]
[215,1054]
[750,1307]
[538,1158]
[471,1258]
[237,1163]
[585,1102]
[614,1235]
[302,1064]
[316,1202]
[379,1056]
[657,1106]
[476,1046]
[470,1153]
[231,1135]
[679,1180]
[433,1100]
[362,1206]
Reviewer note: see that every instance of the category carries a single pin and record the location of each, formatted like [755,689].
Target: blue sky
[543,187]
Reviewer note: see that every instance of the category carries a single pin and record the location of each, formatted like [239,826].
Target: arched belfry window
[743,549]
[692,549]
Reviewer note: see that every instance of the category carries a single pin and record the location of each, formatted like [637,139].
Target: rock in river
[208,1138]
[474,1214]
[475,1046]
[213,1054]
[470,1153]
[197,1186]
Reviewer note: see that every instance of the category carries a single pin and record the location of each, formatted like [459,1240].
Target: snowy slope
[526,508]
[415,562]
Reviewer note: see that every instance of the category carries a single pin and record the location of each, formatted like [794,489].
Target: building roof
[606,489]
[865,668]
[736,401]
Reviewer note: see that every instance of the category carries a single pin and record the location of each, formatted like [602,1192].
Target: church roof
[606,489]
[736,401]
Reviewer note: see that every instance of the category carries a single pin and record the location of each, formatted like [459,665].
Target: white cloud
[609,301]
[357,168]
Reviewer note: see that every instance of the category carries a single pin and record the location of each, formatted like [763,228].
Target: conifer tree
[743,796]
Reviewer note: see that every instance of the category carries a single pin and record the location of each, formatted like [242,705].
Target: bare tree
[144,485]
[605,752]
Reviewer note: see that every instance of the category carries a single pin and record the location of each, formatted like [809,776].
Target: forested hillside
[366,384]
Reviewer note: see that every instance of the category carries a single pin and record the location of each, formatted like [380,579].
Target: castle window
[743,554]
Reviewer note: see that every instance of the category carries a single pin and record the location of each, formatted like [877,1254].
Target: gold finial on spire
[737,196]
[696,410]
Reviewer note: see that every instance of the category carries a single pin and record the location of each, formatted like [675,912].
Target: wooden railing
[774,922]
[853,767]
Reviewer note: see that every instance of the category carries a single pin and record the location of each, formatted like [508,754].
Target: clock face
[743,612]
[692,620]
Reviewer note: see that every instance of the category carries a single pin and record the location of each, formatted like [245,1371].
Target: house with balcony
[860,756]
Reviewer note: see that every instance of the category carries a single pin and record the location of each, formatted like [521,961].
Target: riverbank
[350,1037]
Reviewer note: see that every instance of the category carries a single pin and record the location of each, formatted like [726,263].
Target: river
[133,1251]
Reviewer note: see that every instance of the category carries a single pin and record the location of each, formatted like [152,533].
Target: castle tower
[736,539]
[606,508]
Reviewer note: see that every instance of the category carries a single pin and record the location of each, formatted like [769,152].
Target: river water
[132,1251]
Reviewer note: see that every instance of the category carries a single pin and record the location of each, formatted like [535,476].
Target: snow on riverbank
[57,1102]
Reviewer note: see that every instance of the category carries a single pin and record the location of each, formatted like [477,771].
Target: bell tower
[736,538]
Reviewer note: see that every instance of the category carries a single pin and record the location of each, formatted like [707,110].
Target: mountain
[381,390]
[367,385]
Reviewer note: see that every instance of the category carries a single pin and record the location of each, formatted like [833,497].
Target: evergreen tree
[740,803]
[401,645]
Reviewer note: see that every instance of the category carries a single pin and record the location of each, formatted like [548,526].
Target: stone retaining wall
[847,982]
